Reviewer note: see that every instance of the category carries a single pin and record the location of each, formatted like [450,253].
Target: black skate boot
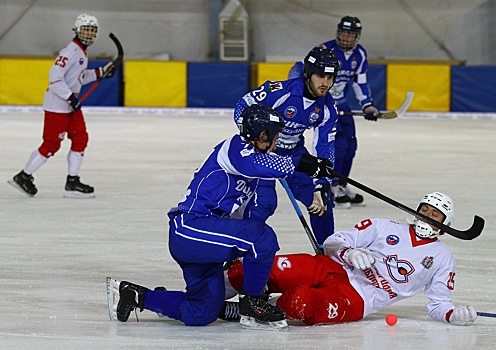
[257,313]
[76,189]
[356,198]
[24,183]
[230,311]
[123,297]
[341,199]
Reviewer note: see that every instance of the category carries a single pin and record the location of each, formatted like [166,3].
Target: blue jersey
[353,67]
[225,184]
[299,114]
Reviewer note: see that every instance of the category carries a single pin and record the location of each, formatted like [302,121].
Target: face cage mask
[347,47]
[85,33]
[424,230]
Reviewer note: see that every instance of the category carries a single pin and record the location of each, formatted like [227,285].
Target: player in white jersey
[213,223]
[63,113]
[374,264]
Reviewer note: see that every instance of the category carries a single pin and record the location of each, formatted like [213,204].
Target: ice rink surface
[57,252]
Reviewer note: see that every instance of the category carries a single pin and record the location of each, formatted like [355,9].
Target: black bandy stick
[117,62]
[474,231]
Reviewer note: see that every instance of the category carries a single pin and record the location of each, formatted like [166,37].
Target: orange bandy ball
[391,319]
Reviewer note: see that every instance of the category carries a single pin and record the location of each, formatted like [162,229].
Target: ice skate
[341,199]
[24,183]
[356,199]
[230,311]
[76,189]
[256,313]
[123,297]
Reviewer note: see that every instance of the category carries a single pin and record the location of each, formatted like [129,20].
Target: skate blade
[112,297]
[14,184]
[252,323]
[357,204]
[78,195]
[342,205]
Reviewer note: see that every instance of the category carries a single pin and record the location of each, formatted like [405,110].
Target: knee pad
[79,141]
[49,147]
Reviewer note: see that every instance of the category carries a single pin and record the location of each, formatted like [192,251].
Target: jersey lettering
[61,61]
[259,94]
[451,281]
[363,225]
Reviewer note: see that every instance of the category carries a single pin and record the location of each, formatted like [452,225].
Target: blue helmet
[322,61]
[256,119]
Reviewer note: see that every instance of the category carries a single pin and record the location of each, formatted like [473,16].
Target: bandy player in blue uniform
[353,69]
[304,103]
[213,223]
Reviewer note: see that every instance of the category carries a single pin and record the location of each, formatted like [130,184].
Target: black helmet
[351,25]
[256,119]
[321,61]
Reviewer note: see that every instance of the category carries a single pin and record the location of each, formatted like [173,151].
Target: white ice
[56,252]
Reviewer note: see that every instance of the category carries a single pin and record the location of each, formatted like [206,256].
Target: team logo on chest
[314,115]
[81,61]
[353,63]
[399,270]
[427,262]
[290,111]
[392,240]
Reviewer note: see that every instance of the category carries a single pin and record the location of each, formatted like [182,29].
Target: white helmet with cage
[86,28]
[441,202]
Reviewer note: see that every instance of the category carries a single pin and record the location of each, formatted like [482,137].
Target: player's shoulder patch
[275,85]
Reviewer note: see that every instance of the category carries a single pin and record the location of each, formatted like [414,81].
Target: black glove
[315,167]
[74,102]
[371,113]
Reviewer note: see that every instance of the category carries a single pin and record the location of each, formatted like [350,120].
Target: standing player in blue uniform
[304,103]
[353,70]
[213,223]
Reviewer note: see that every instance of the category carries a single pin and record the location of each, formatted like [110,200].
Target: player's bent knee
[48,149]
[79,141]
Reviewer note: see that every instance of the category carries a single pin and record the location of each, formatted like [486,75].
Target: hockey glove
[315,167]
[371,113]
[321,197]
[359,258]
[110,67]
[74,102]
[463,315]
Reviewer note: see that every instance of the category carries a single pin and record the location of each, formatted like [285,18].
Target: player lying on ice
[374,264]
[213,224]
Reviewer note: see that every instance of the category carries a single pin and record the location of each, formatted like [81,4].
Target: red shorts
[56,125]
[315,289]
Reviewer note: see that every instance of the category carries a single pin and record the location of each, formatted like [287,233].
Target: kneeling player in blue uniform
[213,223]
[304,103]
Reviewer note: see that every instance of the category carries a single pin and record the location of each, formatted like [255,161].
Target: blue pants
[302,187]
[201,245]
[346,144]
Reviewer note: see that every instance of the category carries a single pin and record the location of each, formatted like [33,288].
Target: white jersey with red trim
[67,75]
[404,265]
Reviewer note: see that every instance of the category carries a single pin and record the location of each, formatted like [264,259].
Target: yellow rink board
[155,84]
[23,81]
[272,71]
[430,83]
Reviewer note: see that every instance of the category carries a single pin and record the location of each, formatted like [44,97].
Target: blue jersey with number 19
[299,113]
